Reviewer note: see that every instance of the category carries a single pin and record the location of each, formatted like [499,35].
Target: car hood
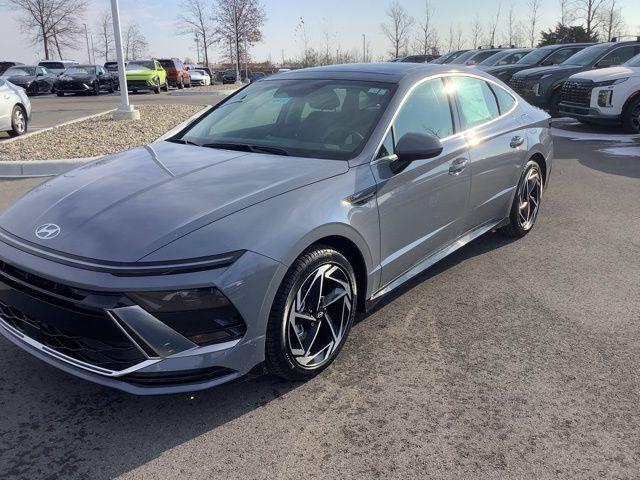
[20,79]
[81,77]
[125,206]
[558,70]
[140,73]
[612,73]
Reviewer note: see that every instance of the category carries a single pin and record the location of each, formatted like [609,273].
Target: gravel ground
[214,88]
[98,136]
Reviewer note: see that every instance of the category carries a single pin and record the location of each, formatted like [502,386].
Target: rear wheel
[311,315]
[526,203]
[181,83]
[166,86]
[19,121]
[60,94]
[112,87]
[96,88]
[631,117]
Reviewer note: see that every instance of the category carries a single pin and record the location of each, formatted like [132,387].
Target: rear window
[53,65]
[167,63]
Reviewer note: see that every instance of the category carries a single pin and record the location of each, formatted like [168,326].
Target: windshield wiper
[182,141]
[244,147]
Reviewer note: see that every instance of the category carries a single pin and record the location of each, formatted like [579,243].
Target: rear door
[497,147]
[422,207]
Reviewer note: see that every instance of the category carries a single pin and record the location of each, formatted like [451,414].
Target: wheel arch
[629,100]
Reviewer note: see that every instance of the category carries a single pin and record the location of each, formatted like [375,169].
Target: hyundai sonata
[254,234]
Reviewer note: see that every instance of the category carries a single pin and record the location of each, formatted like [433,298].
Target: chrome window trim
[516,103]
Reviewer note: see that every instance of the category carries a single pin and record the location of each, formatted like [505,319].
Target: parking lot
[513,359]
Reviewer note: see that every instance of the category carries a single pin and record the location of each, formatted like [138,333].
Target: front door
[422,207]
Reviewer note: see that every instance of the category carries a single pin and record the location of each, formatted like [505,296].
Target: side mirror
[602,65]
[418,146]
[39,74]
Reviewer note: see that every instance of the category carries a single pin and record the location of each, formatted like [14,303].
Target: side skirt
[431,260]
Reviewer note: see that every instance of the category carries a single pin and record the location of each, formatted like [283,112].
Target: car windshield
[167,63]
[229,72]
[535,57]
[460,59]
[141,65]
[198,72]
[588,55]
[80,70]
[480,56]
[307,118]
[53,65]
[634,62]
[20,72]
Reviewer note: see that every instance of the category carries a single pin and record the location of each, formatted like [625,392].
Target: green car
[146,75]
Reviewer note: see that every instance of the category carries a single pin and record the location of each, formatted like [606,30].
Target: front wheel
[18,121]
[96,89]
[526,203]
[311,315]
[165,88]
[631,117]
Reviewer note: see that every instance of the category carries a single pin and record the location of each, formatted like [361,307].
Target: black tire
[279,357]
[60,94]
[188,85]
[19,121]
[33,89]
[516,228]
[554,104]
[181,83]
[96,89]
[166,86]
[631,117]
[112,87]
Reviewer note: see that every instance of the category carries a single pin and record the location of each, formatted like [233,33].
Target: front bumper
[532,91]
[582,112]
[72,87]
[141,84]
[119,357]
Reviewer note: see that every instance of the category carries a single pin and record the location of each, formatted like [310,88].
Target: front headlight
[607,83]
[204,316]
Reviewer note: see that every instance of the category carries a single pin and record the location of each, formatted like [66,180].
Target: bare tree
[237,22]
[590,11]
[104,30]
[327,43]
[426,32]
[612,20]
[476,32]
[309,57]
[493,26]
[398,29]
[567,12]
[195,20]
[459,40]
[51,23]
[534,19]
[135,43]
[512,25]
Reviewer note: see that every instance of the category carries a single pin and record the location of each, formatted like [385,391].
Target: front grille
[137,84]
[577,92]
[72,86]
[67,320]
[106,349]
[519,85]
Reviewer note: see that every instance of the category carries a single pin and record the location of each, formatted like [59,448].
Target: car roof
[392,72]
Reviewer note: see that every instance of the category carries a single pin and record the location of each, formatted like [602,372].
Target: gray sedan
[254,234]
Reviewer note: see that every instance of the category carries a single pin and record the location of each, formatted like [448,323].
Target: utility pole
[364,48]
[235,34]
[125,111]
[86,36]
[246,57]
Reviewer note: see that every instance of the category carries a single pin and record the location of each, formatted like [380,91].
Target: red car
[177,74]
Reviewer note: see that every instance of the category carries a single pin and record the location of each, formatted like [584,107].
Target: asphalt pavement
[509,359]
[50,110]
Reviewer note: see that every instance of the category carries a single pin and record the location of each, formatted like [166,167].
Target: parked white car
[56,67]
[199,77]
[607,95]
[15,109]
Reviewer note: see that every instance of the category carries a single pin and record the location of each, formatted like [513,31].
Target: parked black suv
[540,57]
[542,86]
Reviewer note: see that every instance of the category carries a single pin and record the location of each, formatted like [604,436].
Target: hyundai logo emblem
[48,231]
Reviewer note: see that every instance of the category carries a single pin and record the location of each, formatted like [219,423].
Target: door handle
[516,141]
[458,165]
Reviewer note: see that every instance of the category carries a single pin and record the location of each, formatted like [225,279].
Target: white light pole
[125,111]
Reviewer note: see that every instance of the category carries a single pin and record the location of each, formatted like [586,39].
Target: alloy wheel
[635,118]
[529,195]
[318,318]
[19,121]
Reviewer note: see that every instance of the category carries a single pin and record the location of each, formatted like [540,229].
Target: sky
[345,20]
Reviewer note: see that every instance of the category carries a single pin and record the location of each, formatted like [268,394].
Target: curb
[41,168]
